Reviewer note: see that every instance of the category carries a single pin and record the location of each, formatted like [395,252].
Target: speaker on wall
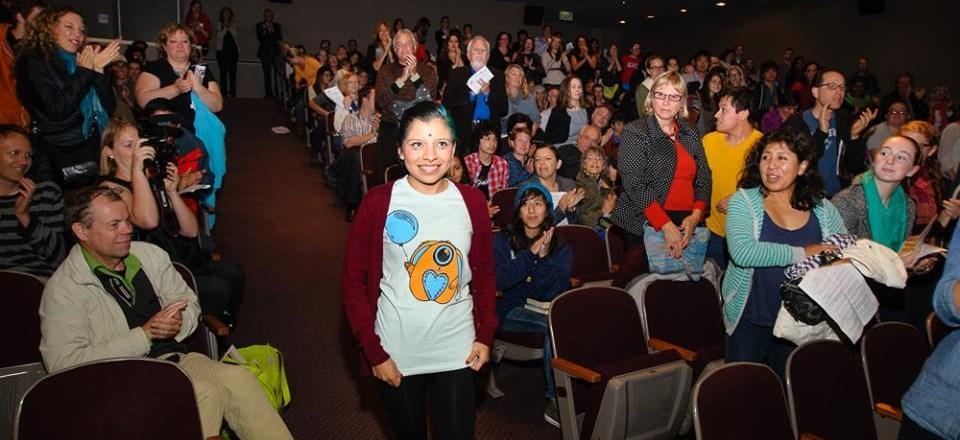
[532,15]
[871,7]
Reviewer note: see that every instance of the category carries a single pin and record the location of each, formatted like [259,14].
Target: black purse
[798,303]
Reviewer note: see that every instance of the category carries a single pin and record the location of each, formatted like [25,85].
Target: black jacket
[53,97]
[853,157]
[269,41]
[457,99]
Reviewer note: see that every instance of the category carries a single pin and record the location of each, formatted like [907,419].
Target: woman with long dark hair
[228,53]
[532,262]
[778,217]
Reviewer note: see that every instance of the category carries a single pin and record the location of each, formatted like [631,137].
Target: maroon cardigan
[363,269]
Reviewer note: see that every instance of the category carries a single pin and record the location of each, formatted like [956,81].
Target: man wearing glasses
[654,66]
[835,130]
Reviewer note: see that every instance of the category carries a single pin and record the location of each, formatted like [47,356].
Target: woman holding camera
[130,167]
[174,77]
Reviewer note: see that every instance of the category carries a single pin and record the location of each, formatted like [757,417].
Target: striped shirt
[40,247]
[355,124]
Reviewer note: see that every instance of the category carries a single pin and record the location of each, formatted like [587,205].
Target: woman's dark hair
[465,175]
[714,101]
[808,190]
[224,10]
[516,232]
[425,111]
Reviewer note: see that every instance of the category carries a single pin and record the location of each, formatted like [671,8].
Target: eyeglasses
[897,112]
[663,96]
[593,159]
[834,87]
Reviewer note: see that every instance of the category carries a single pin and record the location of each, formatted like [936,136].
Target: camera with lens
[162,138]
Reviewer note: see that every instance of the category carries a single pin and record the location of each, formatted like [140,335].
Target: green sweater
[744,223]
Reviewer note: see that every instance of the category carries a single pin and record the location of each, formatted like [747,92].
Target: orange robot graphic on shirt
[435,265]
[434,270]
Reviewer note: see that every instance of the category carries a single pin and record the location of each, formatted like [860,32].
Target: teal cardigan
[744,223]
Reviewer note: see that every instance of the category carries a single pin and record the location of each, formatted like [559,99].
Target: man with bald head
[571,154]
[471,108]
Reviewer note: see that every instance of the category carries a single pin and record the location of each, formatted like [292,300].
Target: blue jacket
[521,274]
[933,401]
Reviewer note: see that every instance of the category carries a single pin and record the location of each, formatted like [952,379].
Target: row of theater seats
[614,350]
[34,405]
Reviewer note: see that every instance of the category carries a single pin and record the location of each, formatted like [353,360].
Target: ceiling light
[683,11]
[623,21]
[721,4]
[651,17]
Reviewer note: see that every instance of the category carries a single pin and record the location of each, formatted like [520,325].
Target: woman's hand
[172,179]
[102,57]
[478,357]
[570,200]
[140,155]
[85,58]
[816,248]
[721,206]
[541,246]
[184,84]
[388,372]
[951,210]
[492,209]
[673,238]
[689,226]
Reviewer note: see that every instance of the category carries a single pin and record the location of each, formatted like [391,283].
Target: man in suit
[488,104]
[269,35]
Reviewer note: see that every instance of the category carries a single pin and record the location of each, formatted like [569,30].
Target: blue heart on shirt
[434,283]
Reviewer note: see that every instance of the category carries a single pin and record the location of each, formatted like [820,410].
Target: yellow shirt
[308,71]
[725,163]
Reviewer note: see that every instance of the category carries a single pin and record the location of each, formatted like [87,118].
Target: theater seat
[20,362]
[126,398]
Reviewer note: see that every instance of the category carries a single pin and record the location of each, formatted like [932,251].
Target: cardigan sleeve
[746,249]
[483,283]
[360,308]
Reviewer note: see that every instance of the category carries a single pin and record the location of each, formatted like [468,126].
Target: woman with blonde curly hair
[176,78]
[63,85]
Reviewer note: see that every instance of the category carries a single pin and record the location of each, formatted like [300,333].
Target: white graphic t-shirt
[425,311]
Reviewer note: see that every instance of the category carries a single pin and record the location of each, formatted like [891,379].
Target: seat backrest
[113,398]
[504,200]
[596,325]
[589,251]
[368,165]
[686,313]
[203,340]
[893,354]
[616,244]
[741,400]
[828,392]
[394,172]
[19,318]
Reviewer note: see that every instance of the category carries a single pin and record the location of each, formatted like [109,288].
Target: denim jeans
[520,319]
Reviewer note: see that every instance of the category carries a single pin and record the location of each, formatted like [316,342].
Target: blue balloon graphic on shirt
[401,226]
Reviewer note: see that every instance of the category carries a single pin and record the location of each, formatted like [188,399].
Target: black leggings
[451,400]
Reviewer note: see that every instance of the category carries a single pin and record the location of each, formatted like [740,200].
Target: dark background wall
[919,36]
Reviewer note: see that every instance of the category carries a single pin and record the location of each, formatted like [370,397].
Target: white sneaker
[552,413]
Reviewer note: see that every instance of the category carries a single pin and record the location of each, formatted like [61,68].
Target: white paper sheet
[483,74]
[335,95]
[844,295]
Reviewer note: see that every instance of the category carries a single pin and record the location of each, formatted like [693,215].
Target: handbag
[662,262]
[266,364]
[797,302]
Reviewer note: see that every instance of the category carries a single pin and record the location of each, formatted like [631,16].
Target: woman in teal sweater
[777,218]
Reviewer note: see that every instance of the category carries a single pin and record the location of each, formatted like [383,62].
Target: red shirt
[680,196]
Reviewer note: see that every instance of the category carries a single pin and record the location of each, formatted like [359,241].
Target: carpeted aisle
[277,217]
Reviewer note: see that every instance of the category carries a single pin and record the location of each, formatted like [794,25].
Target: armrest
[809,436]
[216,325]
[661,345]
[575,282]
[888,411]
[576,370]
